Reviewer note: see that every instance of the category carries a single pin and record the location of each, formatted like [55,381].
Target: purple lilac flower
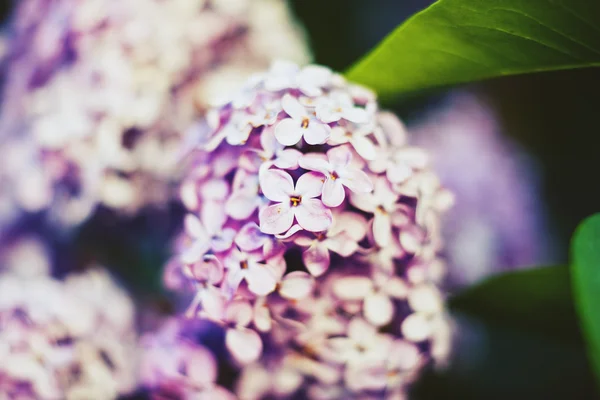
[311,238]
[97,98]
[175,365]
[498,222]
[70,339]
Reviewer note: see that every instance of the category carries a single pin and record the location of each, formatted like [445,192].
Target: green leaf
[585,252]
[457,41]
[537,300]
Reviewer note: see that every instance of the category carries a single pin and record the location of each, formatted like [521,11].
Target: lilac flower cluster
[312,239]
[71,339]
[97,98]
[498,223]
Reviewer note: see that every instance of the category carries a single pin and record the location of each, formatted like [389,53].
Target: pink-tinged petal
[411,240]
[287,159]
[353,224]
[378,309]
[250,160]
[261,281]
[209,269]
[239,313]
[382,228]
[213,216]
[189,195]
[237,134]
[268,141]
[194,228]
[416,328]
[277,218]
[352,287]
[393,128]
[304,240]
[213,303]
[296,285]
[224,241]
[398,173]
[316,133]
[364,201]
[396,287]
[196,251]
[276,185]
[342,244]
[233,280]
[404,355]
[313,216]
[241,205]
[215,189]
[315,162]
[293,108]
[316,259]
[357,181]
[337,135]
[309,185]
[288,132]
[339,156]
[426,299]
[364,147]
[244,345]
[333,192]
[291,232]
[356,115]
[262,318]
[200,367]
[361,331]
[250,237]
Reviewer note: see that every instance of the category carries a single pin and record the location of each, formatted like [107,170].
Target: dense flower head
[498,223]
[97,99]
[71,339]
[312,235]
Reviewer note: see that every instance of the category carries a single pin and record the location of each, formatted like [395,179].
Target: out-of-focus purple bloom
[69,339]
[498,222]
[175,365]
[358,313]
[97,99]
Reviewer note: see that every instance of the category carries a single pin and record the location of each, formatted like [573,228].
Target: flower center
[381,210]
[295,200]
[334,176]
[244,264]
[304,123]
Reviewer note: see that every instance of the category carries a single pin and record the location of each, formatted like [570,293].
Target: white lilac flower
[498,223]
[98,94]
[69,339]
[333,265]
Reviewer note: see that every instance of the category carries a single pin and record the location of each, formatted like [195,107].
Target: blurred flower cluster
[498,222]
[71,338]
[321,265]
[99,93]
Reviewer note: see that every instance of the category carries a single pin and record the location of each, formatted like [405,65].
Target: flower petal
[195,252]
[239,313]
[316,259]
[194,227]
[357,180]
[316,132]
[293,108]
[260,280]
[333,192]
[315,162]
[276,185]
[356,115]
[364,147]
[378,309]
[352,287]
[250,237]
[287,159]
[309,185]
[296,285]
[313,216]
[382,228]
[288,132]
[277,218]
[342,244]
[416,328]
[241,205]
[244,345]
